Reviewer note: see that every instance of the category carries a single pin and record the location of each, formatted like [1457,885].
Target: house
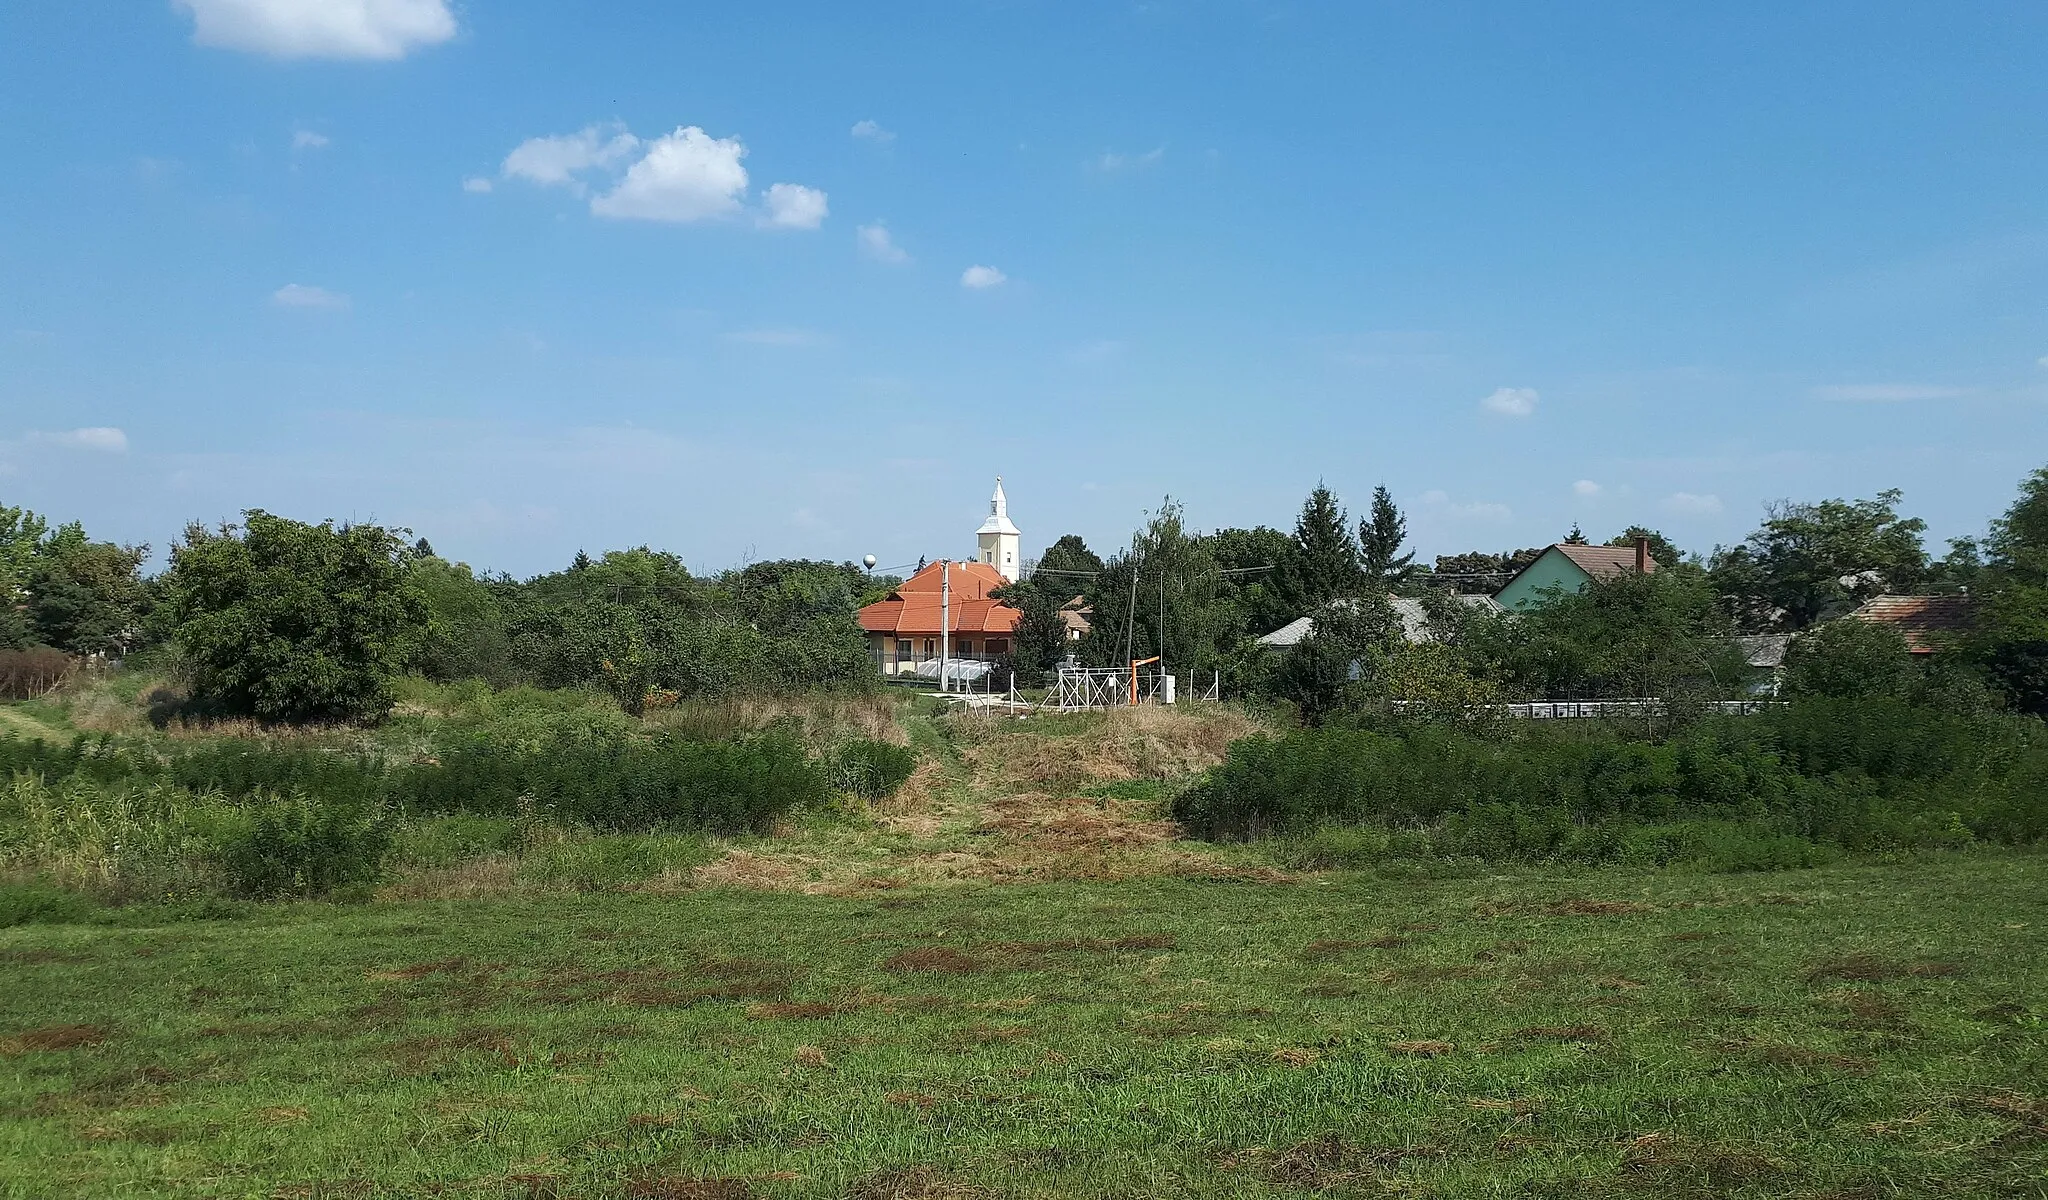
[1928,623]
[1414,620]
[1079,617]
[905,630]
[1569,567]
[1764,655]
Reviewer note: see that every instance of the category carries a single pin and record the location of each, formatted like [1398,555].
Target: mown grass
[1846,1031]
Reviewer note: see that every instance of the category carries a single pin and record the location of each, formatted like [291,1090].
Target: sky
[800,279]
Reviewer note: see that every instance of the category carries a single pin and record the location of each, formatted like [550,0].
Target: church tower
[997,537]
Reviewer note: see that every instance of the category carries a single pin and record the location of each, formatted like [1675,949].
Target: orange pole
[1135,664]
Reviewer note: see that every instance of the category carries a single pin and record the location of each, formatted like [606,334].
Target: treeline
[1201,600]
[287,622]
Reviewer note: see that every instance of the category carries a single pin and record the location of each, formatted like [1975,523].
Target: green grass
[1849,1031]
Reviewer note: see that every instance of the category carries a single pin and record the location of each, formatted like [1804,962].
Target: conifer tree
[1380,537]
[1325,565]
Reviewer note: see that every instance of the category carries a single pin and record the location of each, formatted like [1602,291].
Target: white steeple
[997,538]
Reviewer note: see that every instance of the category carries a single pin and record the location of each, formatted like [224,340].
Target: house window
[930,647]
[998,645]
[902,648]
[966,647]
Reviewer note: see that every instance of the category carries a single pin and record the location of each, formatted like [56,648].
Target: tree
[294,623]
[21,539]
[88,597]
[1624,637]
[1662,551]
[1380,536]
[1849,660]
[1810,561]
[1070,556]
[1253,567]
[2011,639]
[1342,663]
[1478,571]
[1325,565]
[465,636]
[1160,597]
[1576,537]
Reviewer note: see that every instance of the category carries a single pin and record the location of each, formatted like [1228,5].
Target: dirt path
[995,800]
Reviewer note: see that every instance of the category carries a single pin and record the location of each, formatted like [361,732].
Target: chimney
[1642,556]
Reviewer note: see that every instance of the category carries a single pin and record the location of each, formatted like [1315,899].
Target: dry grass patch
[914,1183]
[53,1037]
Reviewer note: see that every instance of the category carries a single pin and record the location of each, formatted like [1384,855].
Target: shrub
[41,904]
[300,847]
[28,674]
[871,769]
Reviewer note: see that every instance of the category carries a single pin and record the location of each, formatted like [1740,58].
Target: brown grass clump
[1424,1048]
[941,960]
[743,869]
[1869,968]
[913,1183]
[1323,1163]
[1583,907]
[1562,1033]
[1784,1055]
[809,1056]
[53,1037]
[1295,1056]
[664,1187]
[1660,1161]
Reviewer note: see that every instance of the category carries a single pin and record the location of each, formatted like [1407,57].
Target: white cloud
[104,438]
[687,175]
[302,295]
[1585,487]
[476,184]
[982,277]
[1692,502]
[793,206]
[306,139]
[2043,360]
[373,29]
[1884,393]
[875,242]
[871,132]
[1114,161]
[558,159]
[1511,402]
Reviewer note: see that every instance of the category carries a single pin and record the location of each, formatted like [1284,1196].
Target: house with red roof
[953,599]
[1572,567]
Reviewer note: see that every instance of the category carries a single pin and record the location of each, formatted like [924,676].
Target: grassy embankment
[1014,982]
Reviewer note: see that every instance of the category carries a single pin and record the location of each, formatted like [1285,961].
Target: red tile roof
[913,608]
[1604,562]
[1926,621]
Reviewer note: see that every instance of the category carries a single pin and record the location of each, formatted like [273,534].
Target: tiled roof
[1414,620]
[1764,650]
[1603,562]
[1925,621]
[914,607]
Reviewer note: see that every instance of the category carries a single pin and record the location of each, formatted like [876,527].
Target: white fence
[1595,710]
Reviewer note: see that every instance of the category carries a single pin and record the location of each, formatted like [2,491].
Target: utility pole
[945,620]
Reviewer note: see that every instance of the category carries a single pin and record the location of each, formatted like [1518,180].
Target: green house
[1566,567]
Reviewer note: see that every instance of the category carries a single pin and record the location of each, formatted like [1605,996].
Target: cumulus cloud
[875,242]
[982,277]
[1692,502]
[362,29]
[793,206]
[103,438]
[1585,487]
[303,295]
[683,176]
[1884,393]
[476,184]
[559,159]
[1511,402]
[306,139]
[868,131]
[1112,160]
[687,175]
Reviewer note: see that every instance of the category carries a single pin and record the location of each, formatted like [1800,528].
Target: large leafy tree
[1629,636]
[1325,564]
[1380,537]
[1810,561]
[1253,568]
[2011,640]
[21,540]
[88,597]
[1160,597]
[294,623]
[1662,550]
[465,636]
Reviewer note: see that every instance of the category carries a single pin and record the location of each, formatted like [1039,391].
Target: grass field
[1845,1032]
[1014,980]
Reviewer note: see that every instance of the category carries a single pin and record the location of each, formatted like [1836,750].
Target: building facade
[948,606]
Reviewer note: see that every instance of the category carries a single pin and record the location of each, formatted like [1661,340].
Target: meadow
[1011,976]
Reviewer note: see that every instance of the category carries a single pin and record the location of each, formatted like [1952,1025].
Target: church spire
[997,539]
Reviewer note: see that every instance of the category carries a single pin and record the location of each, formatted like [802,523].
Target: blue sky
[528,277]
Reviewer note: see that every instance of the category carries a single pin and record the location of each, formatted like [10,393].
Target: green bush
[871,769]
[1788,787]
[42,904]
[301,847]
